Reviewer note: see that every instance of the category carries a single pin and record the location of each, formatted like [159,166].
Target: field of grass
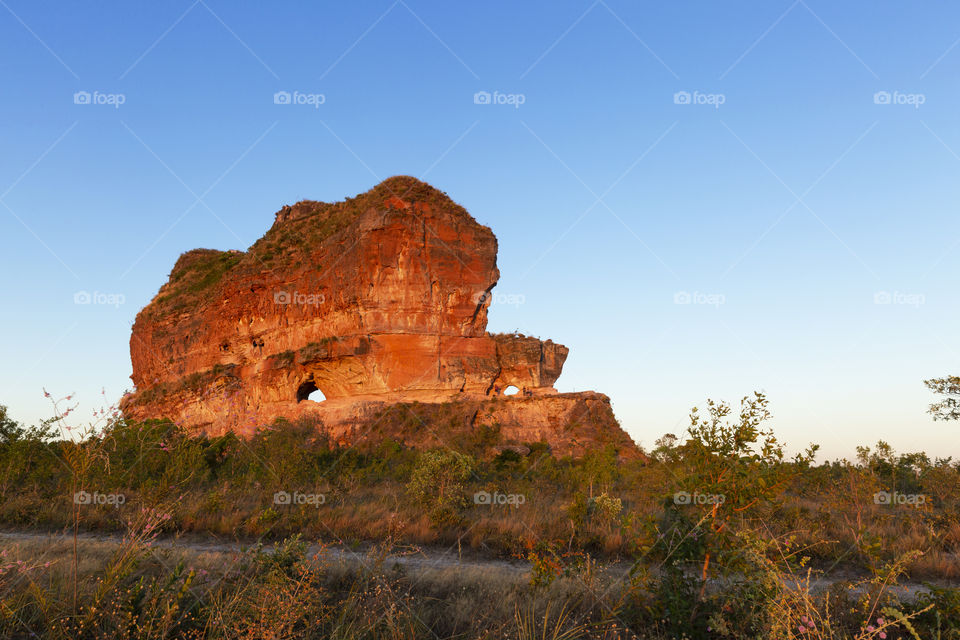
[715,534]
[135,587]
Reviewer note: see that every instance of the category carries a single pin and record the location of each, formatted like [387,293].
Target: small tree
[736,469]
[600,468]
[437,480]
[728,476]
[949,408]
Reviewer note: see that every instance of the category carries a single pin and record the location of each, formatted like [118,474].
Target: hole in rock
[308,391]
[511,391]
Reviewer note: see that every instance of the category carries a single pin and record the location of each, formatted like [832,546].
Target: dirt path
[414,560]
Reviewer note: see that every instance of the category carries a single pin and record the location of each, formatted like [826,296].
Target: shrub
[437,482]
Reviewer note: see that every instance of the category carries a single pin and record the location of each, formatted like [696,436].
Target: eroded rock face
[376,300]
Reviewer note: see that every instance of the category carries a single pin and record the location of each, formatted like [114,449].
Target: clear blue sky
[785,212]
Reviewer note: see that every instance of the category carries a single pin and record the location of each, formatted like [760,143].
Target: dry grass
[279,593]
[780,517]
[356,596]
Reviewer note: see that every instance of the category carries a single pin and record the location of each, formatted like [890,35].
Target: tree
[600,468]
[735,470]
[10,430]
[949,408]
[729,476]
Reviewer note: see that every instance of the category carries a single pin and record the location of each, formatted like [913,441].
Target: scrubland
[713,533]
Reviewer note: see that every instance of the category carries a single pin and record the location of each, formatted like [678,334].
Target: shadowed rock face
[375,300]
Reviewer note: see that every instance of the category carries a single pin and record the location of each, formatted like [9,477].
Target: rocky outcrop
[376,300]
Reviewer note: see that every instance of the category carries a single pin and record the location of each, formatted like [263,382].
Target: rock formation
[377,300]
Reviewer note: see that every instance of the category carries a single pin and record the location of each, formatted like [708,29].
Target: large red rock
[376,300]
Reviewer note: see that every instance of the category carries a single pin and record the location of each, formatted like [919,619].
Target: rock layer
[376,300]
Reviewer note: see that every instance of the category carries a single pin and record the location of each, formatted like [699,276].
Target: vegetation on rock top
[310,223]
[195,273]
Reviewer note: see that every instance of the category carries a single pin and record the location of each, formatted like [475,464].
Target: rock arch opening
[511,391]
[308,391]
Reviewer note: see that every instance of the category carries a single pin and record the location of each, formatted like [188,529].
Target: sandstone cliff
[376,300]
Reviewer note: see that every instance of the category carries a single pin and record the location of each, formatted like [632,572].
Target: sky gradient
[699,199]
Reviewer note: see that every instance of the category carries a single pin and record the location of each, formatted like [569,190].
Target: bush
[437,482]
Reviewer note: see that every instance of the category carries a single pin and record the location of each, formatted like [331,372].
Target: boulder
[378,300]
